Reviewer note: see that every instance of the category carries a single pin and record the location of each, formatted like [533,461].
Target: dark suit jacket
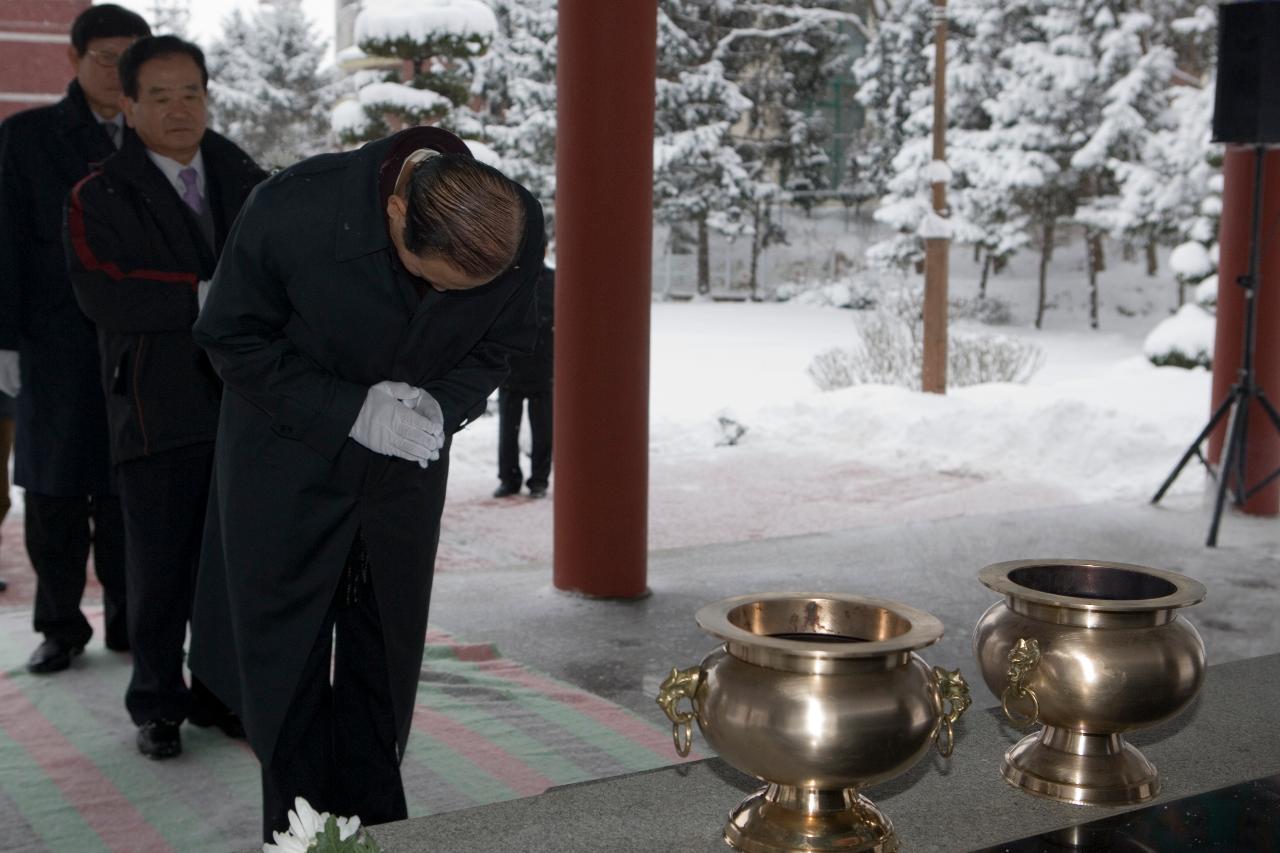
[136,252]
[306,312]
[61,420]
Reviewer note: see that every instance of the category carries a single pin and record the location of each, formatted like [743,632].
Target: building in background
[33,52]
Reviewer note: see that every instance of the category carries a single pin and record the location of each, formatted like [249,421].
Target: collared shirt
[172,167]
[114,127]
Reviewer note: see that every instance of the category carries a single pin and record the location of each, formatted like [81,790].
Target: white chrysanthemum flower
[286,843]
[348,827]
[305,822]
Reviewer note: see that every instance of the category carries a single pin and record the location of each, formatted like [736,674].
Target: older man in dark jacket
[48,350]
[143,238]
[326,315]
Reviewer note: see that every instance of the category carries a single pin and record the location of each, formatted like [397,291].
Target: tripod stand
[1244,391]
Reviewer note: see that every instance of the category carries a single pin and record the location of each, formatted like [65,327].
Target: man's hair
[107,21]
[153,47]
[466,213]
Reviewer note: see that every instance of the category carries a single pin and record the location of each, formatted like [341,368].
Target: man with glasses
[49,349]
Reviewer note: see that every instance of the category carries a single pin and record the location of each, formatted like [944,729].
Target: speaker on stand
[1246,111]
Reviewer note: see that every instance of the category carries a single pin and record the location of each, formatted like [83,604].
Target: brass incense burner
[1090,650]
[818,695]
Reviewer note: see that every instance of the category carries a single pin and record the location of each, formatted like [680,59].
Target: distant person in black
[530,379]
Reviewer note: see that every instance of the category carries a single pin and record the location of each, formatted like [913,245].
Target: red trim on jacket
[90,261]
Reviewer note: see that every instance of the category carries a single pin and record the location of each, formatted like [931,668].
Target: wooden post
[1262,447]
[936,246]
[604,227]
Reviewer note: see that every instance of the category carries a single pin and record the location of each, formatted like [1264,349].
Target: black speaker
[1246,106]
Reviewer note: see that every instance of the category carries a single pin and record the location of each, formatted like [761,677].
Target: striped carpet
[486,729]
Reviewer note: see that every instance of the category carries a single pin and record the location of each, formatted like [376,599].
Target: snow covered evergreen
[734,126]
[514,93]
[267,90]
[1086,115]
[426,52]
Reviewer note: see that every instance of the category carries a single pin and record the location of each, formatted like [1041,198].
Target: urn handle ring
[680,684]
[1024,657]
[954,691]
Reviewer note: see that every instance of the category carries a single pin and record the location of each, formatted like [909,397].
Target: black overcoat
[62,446]
[307,311]
[136,254]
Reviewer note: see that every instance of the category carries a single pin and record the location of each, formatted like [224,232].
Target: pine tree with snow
[428,49]
[783,56]
[515,92]
[700,180]
[891,75]
[267,90]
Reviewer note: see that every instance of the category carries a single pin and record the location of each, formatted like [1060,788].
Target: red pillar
[604,190]
[1263,445]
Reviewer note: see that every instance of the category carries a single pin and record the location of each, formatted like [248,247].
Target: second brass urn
[1090,650]
[817,695]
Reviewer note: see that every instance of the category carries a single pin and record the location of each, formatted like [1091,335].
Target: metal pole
[936,248]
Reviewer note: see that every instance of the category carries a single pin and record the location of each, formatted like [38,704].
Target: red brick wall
[33,51]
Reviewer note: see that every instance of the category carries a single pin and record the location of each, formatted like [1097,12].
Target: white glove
[427,406]
[202,293]
[10,375]
[388,424]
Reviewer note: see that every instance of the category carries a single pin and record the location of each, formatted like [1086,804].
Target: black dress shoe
[505,491]
[3,585]
[52,656]
[537,491]
[117,644]
[159,739]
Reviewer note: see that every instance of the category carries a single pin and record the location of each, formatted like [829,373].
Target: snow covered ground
[1098,422]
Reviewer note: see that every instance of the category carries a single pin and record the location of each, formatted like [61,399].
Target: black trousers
[510,410]
[164,498]
[60,533]
[337,747]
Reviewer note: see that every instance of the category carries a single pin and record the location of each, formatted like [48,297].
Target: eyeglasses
[105,58]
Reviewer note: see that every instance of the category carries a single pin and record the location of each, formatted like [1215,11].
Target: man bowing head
[363,312]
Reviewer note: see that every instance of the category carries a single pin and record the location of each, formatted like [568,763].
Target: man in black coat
[143,237]
[530,379]
[364,309]
[48,349]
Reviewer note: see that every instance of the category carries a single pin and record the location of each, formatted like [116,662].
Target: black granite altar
[939,806]
[1238,818]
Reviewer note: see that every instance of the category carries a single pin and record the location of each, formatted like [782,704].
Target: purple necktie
[191,195]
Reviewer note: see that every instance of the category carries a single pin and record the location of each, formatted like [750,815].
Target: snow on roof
[350,54]
[422,20]
[403,97]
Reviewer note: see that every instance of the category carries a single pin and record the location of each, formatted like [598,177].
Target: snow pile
[1183,340]
[423,20]
[349,117]
[398,96]
[1190,261]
